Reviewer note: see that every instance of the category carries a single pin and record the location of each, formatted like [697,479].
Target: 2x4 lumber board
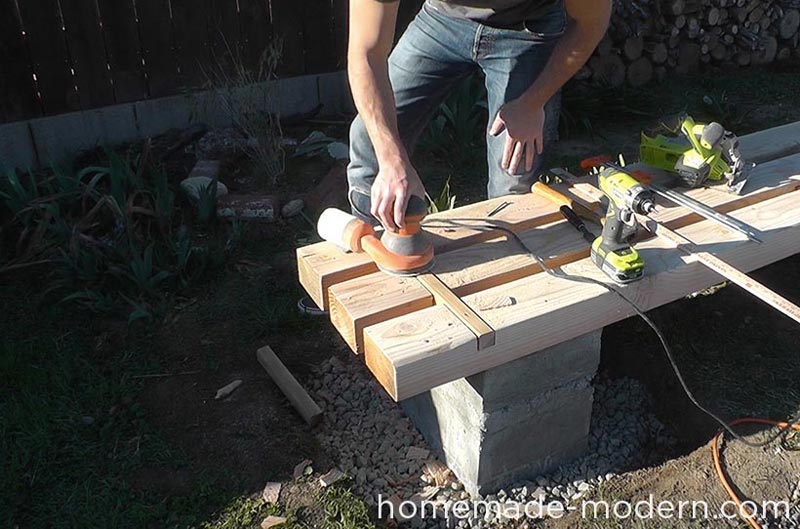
[283,378]
[376,297]
[768,296]
[484,334]
[323,265]
[771,144]
[367,300]
[414,353]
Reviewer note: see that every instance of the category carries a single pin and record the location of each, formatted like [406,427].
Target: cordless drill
[612,251]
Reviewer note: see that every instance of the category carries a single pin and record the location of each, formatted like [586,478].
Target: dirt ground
[739,358]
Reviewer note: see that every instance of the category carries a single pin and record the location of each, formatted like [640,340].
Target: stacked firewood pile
[647,39]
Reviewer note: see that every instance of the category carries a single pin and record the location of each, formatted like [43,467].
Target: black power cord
[483,226]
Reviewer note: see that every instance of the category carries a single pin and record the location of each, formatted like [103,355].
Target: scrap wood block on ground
[413,339]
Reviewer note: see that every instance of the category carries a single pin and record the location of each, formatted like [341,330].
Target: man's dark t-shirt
[500,13]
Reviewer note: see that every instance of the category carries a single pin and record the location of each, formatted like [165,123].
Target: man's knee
[359,139]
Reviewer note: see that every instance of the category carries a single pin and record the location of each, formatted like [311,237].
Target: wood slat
[155,32]
[318,39]
[192,51]
[483,332]
[340,26]
[49,55]
[223,34]
[287,22]
[414,353]
[753,287]
[123,49]
[18,98]
[88,51]
[256,31]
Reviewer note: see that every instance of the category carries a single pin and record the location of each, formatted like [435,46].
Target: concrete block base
[514,421]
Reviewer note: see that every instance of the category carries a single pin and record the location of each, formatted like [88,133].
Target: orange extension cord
[721,473]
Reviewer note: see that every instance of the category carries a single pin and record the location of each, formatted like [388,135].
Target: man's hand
[524,125]
[393,187]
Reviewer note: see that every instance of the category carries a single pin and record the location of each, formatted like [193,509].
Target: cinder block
[156,116]
[298,95]
[16,147]
[514,421]
[334,93]
[110,125]
[59,139]
[526,377]
[535,437]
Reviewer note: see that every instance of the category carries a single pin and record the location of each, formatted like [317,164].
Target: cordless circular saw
[698,153]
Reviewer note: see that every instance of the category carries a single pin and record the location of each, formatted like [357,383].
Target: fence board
[17,91]
[223,32]
[256,31]
[191,41]
[88,53]
[340,17]
[48,49]
[155,32]
[124,52]
[318,37]
[287,21]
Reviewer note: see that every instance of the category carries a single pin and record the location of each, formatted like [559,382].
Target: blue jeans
[434,54]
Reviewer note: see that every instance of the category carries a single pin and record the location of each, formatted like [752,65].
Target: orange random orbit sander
[406,252]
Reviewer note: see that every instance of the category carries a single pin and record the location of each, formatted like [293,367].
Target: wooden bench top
[413,335]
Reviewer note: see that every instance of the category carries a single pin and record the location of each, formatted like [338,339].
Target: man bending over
[527,50]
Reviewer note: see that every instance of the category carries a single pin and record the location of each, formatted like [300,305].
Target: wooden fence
[60,56]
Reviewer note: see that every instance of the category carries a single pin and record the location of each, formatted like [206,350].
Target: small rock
[87,420]
[300,469]
[539,494]
[331,477]
[272,521]
[255,207]
[338,151]
[227,390]
[512,510]
[292,208]
[192,186]
[416,453]
[271,492]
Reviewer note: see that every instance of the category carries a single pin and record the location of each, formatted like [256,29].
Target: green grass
[72,434]
[70,427]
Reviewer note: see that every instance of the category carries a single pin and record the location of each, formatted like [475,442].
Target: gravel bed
[373,442]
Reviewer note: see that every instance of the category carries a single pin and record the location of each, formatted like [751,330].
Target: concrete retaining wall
[57,139]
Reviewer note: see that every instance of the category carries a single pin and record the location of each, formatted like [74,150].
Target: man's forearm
[374,99]
[571,52]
